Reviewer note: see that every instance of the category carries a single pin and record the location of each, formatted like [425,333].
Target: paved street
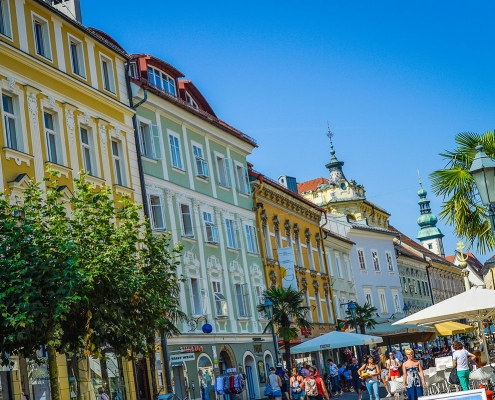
[353,395]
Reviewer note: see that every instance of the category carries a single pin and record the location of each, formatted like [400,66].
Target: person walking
[314,387]
[334,377]
[102,394]
[356,381]
[461,358]
[385,374]
[280,371]
[371,373]
[276,384]
[296,385]
[305,370]
[414,379]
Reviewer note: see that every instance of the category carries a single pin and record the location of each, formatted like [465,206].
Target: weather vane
[329,133]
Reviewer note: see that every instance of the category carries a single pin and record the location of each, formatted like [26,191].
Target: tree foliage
[83,273]
[462,207]
[289,315]
[365,317]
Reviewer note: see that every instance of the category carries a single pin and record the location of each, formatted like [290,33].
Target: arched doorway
[253,388]
[226,359]
[206,377]
[268,361]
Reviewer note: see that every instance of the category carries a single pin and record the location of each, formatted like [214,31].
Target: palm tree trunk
[287,355]
[53,372]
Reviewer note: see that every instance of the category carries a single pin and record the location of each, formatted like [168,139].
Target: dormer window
[191,101]
[161,80]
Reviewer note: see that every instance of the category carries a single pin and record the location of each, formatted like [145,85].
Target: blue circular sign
[207,328]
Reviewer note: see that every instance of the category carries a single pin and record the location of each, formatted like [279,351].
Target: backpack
[296,387]
[310,387]
[453,378]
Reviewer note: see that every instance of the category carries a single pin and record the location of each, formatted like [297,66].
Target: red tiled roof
[450,259]
[310,185]
[472,261]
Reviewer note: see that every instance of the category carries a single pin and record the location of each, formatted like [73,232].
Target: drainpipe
[325,261]
[428,266]
[146,211]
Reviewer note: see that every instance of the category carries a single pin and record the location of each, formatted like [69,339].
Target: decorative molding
[304,285]
[103,136]
[61,169]
[326,288]
[273,278]
[71,125]
[123,190]
[11,83]
[255,270]
[18,156]
[86,118]
[51,101]
[33,108]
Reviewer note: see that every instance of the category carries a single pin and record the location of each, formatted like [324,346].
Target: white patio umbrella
[335,340]
[475,304]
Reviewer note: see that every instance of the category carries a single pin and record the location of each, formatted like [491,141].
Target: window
[339,267]
[156,211]
[362,262]
[87,154]
[390,263]
[320,257]
[51,137]
[329,262]
[133,71]
[404,285]
[231,237]
[396,301]
[186,218]
[77,57]
[252,239]
[210,228]
[260,299]
[175,151]
[161,80]
[376,263]
[145,140]
[337,305]
[201,164]
[310,255]
[221,308]
[278,239]
[42,38]
[191,101]
[329,308]
[10,122]
[243,180]
[223,168]
[300,261]
[4,19]
[199,297]
[348,269]
[117,163]
[383,302]
[430,246]
[107,74]
[266,240]
[319,311]
[240,295]
[367,295]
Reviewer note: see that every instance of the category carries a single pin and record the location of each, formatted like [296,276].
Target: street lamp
[352,309]
[483,172]
[268,308]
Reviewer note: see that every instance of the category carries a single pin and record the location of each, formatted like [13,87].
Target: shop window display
[107,373]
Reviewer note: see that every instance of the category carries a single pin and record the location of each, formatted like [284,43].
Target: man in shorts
[356,381]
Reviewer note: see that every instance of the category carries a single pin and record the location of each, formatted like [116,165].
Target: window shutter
[246,181]
[245,295]
[140,136]
[157,142]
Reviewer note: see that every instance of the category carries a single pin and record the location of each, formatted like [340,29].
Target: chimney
[289,182]
[71,8]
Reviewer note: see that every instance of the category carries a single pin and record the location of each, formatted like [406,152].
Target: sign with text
[286,261]
[183,357]
[191,349]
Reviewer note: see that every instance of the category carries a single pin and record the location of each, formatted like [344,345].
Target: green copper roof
[427,220]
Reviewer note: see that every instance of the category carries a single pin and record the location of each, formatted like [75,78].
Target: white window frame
[150,140]
[133,70]
[319,311]
[390,261]
[45,36]
[260,299]
[161,86]
[329,261]
[89,149]
[118,162]
[200,163]
[199,299]
[311,259]
[191,101]
[396,298]
[251,239]
[347,264]
[175,151]
[241,293]
[223,170]
[12,116]
[321,262]
[54,132]
[368,296]
[328,302]
[337,304]
[110,72]
[266,238]
[157,212]
[221,305]
[211,230]
[299,256]
[361,259]
[339,266]
[242,178]
[186,234]
[5,19]
[375,260]
[230,231]
[81,65]
[382,297]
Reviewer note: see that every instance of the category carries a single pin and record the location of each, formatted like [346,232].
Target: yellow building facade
[286,220]
[64,106]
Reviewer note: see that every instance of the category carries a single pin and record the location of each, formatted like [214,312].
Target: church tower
[429,235]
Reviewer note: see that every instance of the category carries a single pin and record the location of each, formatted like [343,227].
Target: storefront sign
[182,357]
[191,349]
[305,332]
[286,260]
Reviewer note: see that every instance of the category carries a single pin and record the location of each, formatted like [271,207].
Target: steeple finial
[334,166]
[419,180]
[330,136]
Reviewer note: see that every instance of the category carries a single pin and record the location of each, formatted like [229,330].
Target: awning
[452,328]
[403,333]
[335,340]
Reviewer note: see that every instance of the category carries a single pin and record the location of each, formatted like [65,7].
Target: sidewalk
[366,396]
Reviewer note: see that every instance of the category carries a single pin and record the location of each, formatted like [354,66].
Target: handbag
[268,390]
[453,378]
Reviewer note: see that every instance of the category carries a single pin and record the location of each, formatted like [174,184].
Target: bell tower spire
[334,166]
[429,235]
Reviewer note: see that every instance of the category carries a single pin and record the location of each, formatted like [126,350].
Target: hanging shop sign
[182,357]
[191,349]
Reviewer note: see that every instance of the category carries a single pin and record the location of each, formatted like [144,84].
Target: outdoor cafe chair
[396,387]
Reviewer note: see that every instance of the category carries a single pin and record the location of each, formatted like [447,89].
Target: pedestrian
[305,370]
[314,387]
[398,355]
[461,358]
[371,373]
[385,374]
[356,381]
[276,384]
[102,394]
[334,378]
[414,379]
[284,378]
[296,385]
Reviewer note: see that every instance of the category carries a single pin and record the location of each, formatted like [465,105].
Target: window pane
[38,38]
[115,148]
[84,136]
[48,121]
[2,17]
[7,104]
[52,147]
[106,76]
[74,58]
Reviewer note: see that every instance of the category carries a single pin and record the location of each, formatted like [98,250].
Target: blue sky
[396,81]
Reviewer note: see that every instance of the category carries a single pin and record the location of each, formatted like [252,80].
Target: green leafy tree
[365,317]
[462,207]
[83,274]
[289,315]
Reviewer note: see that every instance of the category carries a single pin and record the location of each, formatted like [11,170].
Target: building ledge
[18,156]
[61,169]
[123,190]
